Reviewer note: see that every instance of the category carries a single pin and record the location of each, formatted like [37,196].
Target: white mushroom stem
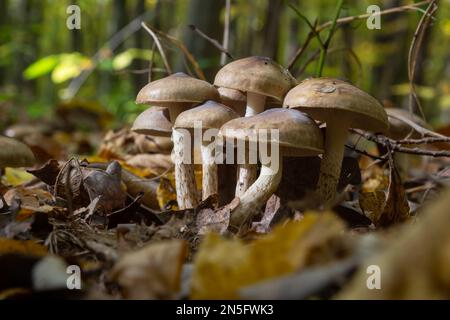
[247,172]
[330,168]
[255,104]
[186,187]
[209,170]
[257,195]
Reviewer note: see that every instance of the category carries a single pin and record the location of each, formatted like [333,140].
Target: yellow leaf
[166,193]
[27,247]
[15,176]
[223,266]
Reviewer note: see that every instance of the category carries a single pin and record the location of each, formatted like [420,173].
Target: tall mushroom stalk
[247,172]
[342,106]
[186,186]
[207,117]
[179,92]
[330,166]
[295,135]
[259,77]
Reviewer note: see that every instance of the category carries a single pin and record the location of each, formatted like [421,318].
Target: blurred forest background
[40,58]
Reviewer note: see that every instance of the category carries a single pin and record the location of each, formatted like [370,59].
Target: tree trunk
[271,28]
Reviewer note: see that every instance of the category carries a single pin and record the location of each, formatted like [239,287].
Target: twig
[214,42]
[112,44]
[185,51]
[423,140]
[150,65]
[68,190]
[414,50]
[226,32]
[398,148]
[160,48]
[350,19]
[311,27]
[352,147]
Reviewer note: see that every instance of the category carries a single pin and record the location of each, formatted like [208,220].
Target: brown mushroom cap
[153,121]
[259,75]
[328,99]
[211,114]
[14,153]
[399,129]
[177,88]
[299,135]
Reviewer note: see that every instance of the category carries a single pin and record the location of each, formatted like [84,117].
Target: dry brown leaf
[223,266]
[156,163]
[152,272]
[416,264]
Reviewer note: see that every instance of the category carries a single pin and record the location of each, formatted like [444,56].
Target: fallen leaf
[152,272]
[26,247]
[16,176]
[222,267]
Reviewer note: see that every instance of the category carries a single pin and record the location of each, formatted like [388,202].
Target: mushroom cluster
[236,108]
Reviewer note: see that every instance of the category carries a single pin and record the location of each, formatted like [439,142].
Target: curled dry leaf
[222,267]
[152,272]
[210,220]
[416,264]
[107,186]
[383,199]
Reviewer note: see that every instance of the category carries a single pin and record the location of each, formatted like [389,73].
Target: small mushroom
[298,135]
[211,115]
[14,153]
[259,78]
[179,92]
[153,121]
[341,106]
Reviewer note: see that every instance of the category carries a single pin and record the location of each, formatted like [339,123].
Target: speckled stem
[209,170]
[184,174]
[330,168]
[247,172]
[257,195]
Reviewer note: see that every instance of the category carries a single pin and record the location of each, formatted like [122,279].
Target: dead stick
[214,42]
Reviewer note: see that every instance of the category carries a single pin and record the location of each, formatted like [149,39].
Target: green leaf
[41,67]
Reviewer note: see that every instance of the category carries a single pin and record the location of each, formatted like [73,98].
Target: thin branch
[214,42]
[185,51]
[150,64]
[160,48]
[302,49]
[414,50]
[311,27]
[398,148]
[226,32]
[423,140]
[345,20]
[354,148]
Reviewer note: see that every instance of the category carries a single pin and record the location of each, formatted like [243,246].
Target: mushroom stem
[330,167]
[186,187]
[257,195]
[175,110]
[246,177]
[209,170]
[255,104]
[247,172]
